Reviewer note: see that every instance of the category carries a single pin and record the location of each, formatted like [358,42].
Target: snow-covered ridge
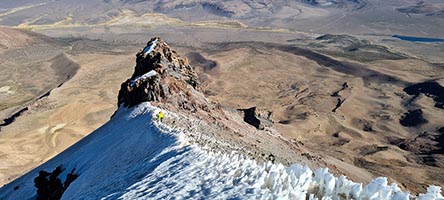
[135,157]
[224,176]
[236,176]
[143,77]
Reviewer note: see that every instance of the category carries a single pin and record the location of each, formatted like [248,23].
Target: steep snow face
[135,157]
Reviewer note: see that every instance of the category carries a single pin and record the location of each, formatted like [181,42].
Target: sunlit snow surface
[143,77]
[149,48]
[134,157]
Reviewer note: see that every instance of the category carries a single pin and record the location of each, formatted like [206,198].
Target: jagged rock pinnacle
[160,75]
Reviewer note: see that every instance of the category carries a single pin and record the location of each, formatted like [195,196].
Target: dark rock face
[160,75]
[250,117]
[50,187]
[336,94]
[431,89]
[412,118]
[428,146]
[257,118]
[338,104]
[11,119]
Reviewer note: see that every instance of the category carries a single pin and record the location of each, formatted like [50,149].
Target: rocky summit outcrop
[167,80]
[161,75]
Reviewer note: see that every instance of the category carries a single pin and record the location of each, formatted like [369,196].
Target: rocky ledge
[161,75]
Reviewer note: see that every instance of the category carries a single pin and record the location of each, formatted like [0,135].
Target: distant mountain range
[308,15]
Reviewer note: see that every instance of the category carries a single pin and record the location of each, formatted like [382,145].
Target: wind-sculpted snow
[135,157]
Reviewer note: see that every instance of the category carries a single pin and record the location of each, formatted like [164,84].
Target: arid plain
[332,76]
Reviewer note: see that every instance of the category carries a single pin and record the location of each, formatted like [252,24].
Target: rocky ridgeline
[168,81]
[161,75]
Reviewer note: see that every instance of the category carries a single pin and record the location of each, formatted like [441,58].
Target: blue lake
[418,39]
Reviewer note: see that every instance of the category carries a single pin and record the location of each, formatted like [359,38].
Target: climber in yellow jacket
[160,116]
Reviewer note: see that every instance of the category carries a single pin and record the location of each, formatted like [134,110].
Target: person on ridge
[160,116]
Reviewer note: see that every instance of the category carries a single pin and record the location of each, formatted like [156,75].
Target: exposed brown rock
[174,80]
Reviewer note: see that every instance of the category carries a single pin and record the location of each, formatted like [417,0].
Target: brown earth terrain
[31,65]
[347,111]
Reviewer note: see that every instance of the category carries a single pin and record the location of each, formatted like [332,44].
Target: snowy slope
[134,157]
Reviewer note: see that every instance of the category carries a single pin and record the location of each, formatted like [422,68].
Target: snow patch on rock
[143,77]
[149,48]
